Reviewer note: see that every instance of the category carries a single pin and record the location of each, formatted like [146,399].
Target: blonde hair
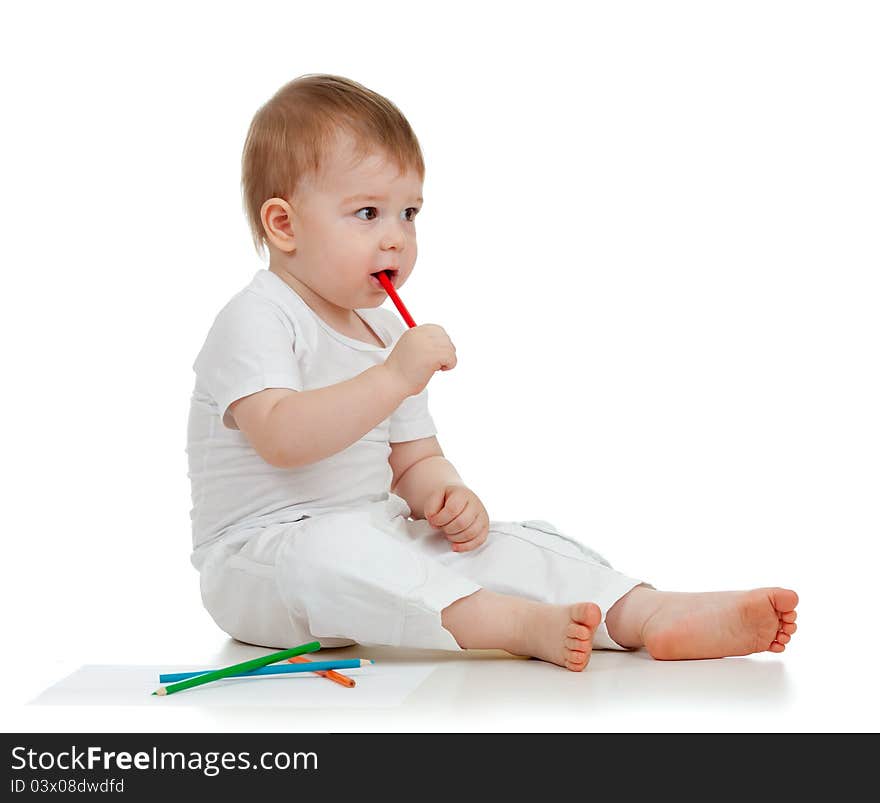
[291,132]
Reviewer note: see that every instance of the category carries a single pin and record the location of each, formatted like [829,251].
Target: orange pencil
[330,674]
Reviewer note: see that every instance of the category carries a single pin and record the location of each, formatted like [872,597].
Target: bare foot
[721,623]
[560,634]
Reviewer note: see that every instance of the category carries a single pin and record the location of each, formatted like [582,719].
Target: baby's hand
[458,511]
[418,353]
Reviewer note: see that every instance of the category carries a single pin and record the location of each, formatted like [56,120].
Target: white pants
[371,575]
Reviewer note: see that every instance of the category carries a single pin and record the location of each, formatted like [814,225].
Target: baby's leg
[361,576]
[340,578]
[532,562]
[704,625]
[358,577]
[561,634]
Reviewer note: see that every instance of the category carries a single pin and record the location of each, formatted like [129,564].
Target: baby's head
[332,179]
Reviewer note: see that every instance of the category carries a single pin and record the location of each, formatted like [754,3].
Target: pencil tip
[161,692]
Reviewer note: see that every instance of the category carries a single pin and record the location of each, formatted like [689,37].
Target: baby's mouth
[390,272]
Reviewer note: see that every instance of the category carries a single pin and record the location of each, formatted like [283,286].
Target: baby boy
[323,506]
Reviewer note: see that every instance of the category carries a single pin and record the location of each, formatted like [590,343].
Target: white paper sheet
[378,686]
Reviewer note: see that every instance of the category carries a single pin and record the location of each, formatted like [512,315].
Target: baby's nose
[394,239]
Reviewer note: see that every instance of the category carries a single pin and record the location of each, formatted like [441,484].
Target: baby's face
[357,218]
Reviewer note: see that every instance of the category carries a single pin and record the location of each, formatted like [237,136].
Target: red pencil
[389,288]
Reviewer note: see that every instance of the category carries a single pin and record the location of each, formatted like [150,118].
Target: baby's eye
[410,213]
[366,209]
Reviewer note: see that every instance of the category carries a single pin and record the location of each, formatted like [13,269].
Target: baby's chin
[372,303]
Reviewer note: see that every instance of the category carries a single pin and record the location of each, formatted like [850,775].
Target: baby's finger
[478,540]
[462,521]
[441,518]
[476,528]
[449,512]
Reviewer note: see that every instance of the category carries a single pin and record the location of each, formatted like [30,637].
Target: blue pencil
[280,669]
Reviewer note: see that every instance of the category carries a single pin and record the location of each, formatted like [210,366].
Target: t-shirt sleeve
[248,348]
[412,419]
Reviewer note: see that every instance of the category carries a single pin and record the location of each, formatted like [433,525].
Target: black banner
[141,766]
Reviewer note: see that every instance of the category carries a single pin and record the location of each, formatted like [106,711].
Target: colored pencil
[330,674]
[389,288]
[282,669]
[244,666]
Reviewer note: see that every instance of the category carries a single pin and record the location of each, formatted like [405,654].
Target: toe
[789,616]
[783,638]
[587,614]
[784,599]
[788,628]
[776,647]
[576,644]
[577,631]
[575,663]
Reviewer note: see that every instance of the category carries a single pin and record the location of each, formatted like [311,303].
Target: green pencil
[246,666]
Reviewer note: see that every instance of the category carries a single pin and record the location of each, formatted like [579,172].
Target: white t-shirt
[268,337]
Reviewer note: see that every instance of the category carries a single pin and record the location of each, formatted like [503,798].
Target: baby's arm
[433,490]
[290,428]
[419,468]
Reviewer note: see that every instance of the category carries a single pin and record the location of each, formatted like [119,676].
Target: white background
[651,230]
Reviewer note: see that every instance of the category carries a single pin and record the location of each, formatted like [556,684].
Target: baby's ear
[276,215]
